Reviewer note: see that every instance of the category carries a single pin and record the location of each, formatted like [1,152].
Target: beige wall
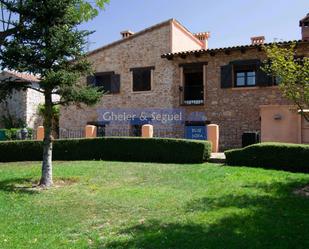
[182,40]
[304,131]
[279,124]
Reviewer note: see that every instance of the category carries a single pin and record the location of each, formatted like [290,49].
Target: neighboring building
[22,105]
[166,66]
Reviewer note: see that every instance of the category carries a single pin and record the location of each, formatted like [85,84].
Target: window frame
[151,69]
[199,67]
[100,74]
[186,86]
[115,82]
[246,77]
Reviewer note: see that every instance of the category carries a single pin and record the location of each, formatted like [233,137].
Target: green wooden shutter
[227,76]
[115,83]
[263,78]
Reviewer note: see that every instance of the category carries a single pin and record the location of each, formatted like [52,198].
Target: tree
[42,37]
[55,119]
[292,73]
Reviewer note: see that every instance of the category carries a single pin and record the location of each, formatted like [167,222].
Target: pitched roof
[157,26]
[224,49]
[17,76]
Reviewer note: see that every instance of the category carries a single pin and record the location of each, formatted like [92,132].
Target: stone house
[136,75]
[22,105]
[166,66]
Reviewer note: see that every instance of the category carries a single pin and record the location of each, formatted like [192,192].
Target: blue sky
[231,22]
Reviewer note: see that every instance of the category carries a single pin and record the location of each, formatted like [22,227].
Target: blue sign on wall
[196,132]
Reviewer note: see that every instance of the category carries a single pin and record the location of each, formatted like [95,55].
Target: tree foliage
[41,37]
[292,73]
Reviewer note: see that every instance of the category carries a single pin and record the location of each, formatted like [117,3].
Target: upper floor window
[245,73]
[192,87]
[109,82]
[104,81]
[142,79]
[245,78]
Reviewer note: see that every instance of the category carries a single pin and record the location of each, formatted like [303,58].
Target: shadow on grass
[19,185]
[276,219]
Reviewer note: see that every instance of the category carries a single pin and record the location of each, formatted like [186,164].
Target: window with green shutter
[141,78]
[109,82]
[245,73]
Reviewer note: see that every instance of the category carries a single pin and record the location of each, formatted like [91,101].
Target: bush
[112,149]
[283,156]
[12,134]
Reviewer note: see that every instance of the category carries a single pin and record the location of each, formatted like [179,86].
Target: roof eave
[235,48]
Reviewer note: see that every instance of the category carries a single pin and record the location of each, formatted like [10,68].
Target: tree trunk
[47,167]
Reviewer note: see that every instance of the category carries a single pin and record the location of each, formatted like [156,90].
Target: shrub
[12,133]
[283,156]
[112,149]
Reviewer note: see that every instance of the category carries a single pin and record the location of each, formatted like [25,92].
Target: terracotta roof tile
[233,48]
[20,76]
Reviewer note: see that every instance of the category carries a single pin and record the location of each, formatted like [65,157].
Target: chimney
[304,24]
[126,34]
[203,37]
[258,40]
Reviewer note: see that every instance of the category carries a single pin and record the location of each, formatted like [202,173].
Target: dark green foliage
[46,41]
[283,156]
[20,151]
[12,134]
[113,149]
[12,122]
[51,46]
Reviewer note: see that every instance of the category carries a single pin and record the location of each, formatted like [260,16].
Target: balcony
[193,95]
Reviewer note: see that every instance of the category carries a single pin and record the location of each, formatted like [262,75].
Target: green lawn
[138,205]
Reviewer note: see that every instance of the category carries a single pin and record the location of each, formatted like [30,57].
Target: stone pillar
[147,131]
[213,136]
[40,133]
[90,131]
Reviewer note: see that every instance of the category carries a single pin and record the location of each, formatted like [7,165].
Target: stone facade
[235,110]
[34,99]
[15,106]
[144,49]
[23,105]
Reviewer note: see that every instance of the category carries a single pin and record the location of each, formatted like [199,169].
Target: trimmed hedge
[111,149]
[282,156]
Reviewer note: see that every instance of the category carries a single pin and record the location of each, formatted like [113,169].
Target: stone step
[217,158]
